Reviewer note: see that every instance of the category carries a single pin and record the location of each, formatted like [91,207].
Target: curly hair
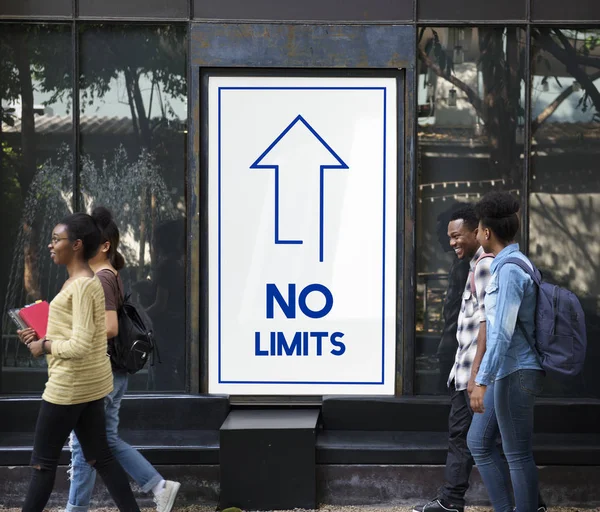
[467,214]
[497,211]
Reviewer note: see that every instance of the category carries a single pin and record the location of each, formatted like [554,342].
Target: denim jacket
[511,293]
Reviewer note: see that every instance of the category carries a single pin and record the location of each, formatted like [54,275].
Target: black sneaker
[542,508]
[439,505]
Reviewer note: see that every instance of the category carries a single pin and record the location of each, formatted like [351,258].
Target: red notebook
[36,317]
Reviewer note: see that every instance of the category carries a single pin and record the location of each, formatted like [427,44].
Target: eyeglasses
[56,239]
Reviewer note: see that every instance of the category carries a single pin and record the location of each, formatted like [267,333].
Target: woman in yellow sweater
[79,371]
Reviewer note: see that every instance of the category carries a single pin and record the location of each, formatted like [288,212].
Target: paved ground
[326,508]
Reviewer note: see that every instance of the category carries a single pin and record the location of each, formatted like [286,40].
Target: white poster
[302,177]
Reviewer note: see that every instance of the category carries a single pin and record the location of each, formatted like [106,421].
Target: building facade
[109,103]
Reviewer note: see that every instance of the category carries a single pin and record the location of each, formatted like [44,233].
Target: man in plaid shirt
[462,233]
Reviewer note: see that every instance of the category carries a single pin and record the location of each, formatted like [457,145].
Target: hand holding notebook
[35,316]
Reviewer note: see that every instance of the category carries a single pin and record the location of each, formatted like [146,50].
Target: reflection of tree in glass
[28,54]
[564,198]
[155,53]
[572,49]
[502,67]
[32,58]
[123,186]
[38,57]
[117,184]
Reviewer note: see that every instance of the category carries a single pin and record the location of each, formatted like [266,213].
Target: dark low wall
[199,486]
[375,485]
[336,485]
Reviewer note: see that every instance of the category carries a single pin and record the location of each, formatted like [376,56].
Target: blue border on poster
[378,383]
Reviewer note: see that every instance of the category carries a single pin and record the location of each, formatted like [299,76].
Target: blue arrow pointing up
[340,165]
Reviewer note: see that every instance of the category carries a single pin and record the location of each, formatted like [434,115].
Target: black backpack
[134,345]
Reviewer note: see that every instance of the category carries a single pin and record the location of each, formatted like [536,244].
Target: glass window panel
[565,187]
[36,180]
[470,141]
[133,144]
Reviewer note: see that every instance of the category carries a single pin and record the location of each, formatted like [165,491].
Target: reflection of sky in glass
[567,112]
[114,103]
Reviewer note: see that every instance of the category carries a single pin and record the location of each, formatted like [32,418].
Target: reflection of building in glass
[131,150]
[467,147]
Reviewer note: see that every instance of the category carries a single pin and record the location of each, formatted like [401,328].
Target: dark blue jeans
[511,414]
[133,462]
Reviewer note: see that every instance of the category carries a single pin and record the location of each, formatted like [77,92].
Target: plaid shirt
[472,313]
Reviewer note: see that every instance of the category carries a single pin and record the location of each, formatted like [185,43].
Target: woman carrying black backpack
[106,264]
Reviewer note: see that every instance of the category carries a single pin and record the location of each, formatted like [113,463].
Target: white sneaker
[165,499]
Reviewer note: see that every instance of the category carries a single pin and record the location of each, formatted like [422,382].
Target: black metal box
[268,459]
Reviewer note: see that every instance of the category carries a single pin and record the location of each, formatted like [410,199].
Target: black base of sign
[268,459]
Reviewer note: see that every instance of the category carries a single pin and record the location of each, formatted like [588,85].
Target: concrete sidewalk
[323,508]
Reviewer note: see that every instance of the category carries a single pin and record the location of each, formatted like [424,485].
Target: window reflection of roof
[63,125]
[548,133]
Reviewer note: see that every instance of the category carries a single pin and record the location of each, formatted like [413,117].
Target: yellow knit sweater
[78,369]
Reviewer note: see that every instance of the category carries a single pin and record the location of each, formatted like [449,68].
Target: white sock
[158,488]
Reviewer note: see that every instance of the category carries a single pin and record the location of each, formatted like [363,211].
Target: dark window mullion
[195,353]
[526,145]
[408,272]
[77,203]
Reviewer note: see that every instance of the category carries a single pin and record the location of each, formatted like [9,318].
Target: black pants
[54,424]
[459,462]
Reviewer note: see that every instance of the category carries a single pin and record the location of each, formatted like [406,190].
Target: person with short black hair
[510,364]
[469,342]
[457,277]
[467,214]
[79,373]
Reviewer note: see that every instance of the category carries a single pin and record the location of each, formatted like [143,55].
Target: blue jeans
[508,411]
[83,475]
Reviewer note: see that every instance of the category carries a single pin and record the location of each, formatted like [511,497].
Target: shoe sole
[448,509]
[171,501]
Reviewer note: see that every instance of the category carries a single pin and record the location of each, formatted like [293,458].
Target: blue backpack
[560,333]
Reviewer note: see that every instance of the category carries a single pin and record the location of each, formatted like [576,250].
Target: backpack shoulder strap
[533,273]
[484,255]
[121,294]
[472,272]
